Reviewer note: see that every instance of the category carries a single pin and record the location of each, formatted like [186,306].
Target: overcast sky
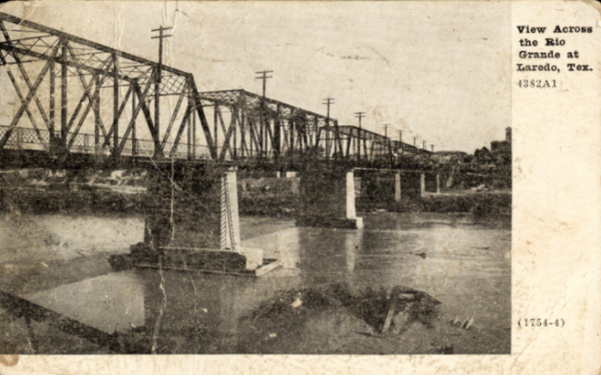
[437,70]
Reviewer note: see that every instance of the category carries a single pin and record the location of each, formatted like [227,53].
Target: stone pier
[327,199]
[192,222]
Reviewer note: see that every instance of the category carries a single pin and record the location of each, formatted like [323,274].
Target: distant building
[501,150]
[502,146]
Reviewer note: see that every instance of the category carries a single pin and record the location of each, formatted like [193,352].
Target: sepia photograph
[265,178]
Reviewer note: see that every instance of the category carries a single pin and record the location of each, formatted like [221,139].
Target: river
[463,261]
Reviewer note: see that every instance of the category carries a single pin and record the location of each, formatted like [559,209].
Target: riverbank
[93,200]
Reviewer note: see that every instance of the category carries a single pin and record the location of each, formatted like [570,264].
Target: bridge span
[74,97]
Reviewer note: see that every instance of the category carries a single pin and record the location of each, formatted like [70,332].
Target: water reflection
[328,255]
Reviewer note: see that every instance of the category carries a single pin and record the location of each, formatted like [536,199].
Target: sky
[438,71]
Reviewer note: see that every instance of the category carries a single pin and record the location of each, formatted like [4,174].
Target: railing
[32,139]
[85,143]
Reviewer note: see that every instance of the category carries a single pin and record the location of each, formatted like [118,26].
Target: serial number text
[534,323]
[537,84]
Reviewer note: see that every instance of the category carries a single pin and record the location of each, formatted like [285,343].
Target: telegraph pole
[157,88]
[401,141]
[388,144]
[328,101]
[262,75]
[432,146]
[359,115]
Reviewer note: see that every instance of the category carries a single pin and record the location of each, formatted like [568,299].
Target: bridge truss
[65,85]
[71,96]
[256,127]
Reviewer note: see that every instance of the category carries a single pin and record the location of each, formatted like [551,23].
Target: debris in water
[467,323]
[297,302]
[403,320]
[462,324]
[413,306]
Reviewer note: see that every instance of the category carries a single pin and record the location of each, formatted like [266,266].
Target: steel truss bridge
[73,97]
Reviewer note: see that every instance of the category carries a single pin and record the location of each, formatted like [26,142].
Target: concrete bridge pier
[327,199]
[192,222]
[397,186]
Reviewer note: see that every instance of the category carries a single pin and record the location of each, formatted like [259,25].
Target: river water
[59,262]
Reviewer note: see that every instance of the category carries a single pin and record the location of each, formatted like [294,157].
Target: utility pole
[401,142]
[359,115]
[424,145]
[432,146]
[388,144]
[262,75]
[157,88]
[328,101]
